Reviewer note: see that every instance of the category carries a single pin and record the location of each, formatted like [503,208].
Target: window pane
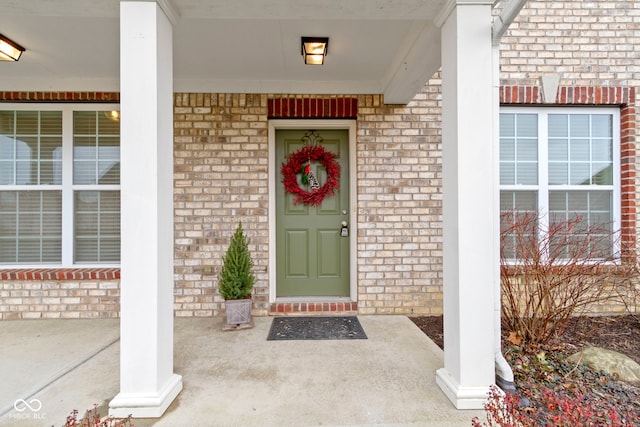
[8,201]
[594,206]
[51,250]
[602,150]
[109,123]
[558,126]
[84,148]
[7,156]
[579,150]
[528,174]
[27,148]
[580,174]
[96,148]
[518,223]
[507,149]
[85,155]
[7,147]
[84,172]
[109,148]
[109,172]
[7,247]
[110,250]
[97,226]
[600,201]
[26,172]
[26,123]
[601,126]
[587,216]
[51,123]
[7,122]
[31,226]
[558,173]
[7,172]
[507,125]
[525,201]
[528,150]
[527,125]
[84,122]
[519,149]
[579,125]
[558,150]
[577,201]
[507,173]
[27,155]
[588,160]
[602,174]
[51,160]
[558,201]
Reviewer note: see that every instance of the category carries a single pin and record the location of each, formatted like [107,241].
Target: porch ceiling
[250,46]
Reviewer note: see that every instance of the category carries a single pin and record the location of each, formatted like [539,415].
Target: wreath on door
[299,163]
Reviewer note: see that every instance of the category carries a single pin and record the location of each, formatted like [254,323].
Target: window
[563,164]
[59,185]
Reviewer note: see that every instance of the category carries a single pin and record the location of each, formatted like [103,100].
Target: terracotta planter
[238,311]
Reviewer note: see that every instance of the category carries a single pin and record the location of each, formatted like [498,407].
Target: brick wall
[221,167]
[400,205]
[589,42]
[59,293]
[220,172]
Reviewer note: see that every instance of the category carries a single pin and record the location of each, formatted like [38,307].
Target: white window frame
[542,188]
[67,187]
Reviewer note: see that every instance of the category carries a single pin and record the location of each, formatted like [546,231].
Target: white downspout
[504,373]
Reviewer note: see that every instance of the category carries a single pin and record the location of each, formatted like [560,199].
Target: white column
[147,382]
[469,252]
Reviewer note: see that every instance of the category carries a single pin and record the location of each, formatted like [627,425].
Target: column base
[146,405]
[462,397]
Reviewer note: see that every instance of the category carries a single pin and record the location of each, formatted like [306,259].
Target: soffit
[252,46]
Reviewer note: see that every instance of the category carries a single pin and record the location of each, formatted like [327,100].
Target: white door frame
[274,179]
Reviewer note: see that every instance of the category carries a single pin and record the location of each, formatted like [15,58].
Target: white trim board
[274,172]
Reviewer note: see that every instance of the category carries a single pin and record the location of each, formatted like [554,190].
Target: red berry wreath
[295,164]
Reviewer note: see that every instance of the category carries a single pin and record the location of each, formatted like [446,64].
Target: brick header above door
[313,108]
[111,97]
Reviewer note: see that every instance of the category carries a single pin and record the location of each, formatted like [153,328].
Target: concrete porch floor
[231,378]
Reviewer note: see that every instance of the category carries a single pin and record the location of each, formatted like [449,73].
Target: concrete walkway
[49,367]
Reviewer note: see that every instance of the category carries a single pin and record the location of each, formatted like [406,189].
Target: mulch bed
[536,366]
[619,333]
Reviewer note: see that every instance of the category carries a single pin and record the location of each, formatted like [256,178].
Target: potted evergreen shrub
[236,281]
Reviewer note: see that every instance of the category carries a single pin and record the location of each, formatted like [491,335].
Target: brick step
[314,308]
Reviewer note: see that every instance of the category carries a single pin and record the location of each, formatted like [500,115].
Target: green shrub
[236,277]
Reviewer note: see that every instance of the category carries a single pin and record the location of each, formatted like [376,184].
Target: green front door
[312,252]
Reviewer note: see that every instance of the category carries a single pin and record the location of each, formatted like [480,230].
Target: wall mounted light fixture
[314,49]
[9,50]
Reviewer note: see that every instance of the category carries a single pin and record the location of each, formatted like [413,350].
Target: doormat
[316,328]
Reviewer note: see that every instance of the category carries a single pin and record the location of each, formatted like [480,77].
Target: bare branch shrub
[548,276]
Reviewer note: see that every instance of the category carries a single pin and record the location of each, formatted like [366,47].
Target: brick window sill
[60,274]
